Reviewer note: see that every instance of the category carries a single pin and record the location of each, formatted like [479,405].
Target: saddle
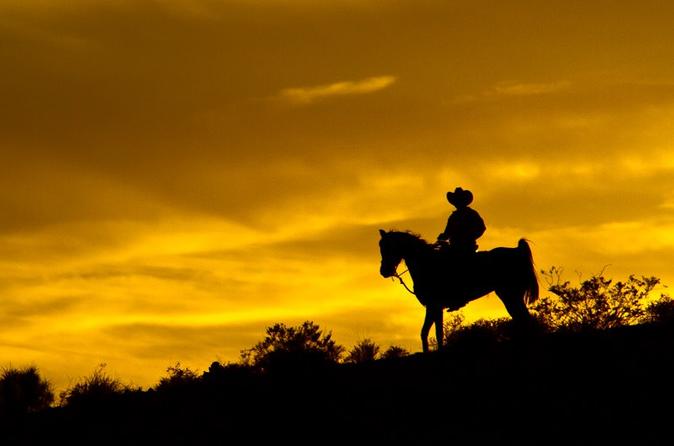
[453,257]
[455,274]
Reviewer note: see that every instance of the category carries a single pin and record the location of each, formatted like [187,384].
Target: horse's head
[390,255]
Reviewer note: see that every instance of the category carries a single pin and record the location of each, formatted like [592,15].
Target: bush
[304,346]
[596,304]
[95,389]
[23,391]
[230,373]
[366,350]
[178,377]
[661,310]
[483,331]
[453,323]
[394,351]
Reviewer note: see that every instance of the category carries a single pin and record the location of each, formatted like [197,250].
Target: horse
[441,283]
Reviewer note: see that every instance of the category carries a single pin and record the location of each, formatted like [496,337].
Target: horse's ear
[382,232]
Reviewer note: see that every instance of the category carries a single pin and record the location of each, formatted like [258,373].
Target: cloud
[527,89]
[308,95]
[510,89]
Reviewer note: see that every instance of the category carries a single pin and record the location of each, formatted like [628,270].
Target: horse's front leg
[433,316]
[426,328]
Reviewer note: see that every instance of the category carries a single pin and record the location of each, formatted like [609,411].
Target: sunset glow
[179,175]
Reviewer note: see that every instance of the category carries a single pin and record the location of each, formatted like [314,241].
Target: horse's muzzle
[387,272]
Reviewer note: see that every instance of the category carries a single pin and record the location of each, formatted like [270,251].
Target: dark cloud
[170,104]
[32,311]
[171,81]
[179,274]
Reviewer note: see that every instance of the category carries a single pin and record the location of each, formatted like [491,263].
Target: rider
[464,227]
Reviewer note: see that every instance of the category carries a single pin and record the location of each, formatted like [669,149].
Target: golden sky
[179,174]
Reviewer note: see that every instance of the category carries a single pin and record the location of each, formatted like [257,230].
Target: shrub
[304,346]
[597,303]
[178,377]
[228,373]
[481,331]
[394,351]
[661,310]
[97,388]
[23,391]
[366,350]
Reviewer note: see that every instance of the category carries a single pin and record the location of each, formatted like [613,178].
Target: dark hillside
[587,388]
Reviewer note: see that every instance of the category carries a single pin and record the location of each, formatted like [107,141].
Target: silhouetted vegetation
[597,303]
[230,373]
[365,350]
[599,379]
[23,391]
[177,377]
[98,388]
[660,311]
[304,346]
[394,351]
[481,331]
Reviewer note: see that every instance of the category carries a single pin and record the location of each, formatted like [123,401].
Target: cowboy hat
[460,197]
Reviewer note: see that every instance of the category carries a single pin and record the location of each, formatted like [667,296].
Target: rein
[402,282]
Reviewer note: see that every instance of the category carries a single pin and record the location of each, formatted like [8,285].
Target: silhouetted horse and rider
[451,272]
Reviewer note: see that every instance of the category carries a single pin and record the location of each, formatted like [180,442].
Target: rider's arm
[448,229]
[479,226]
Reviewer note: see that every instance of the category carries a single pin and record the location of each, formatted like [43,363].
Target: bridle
[402,282]
[395,275]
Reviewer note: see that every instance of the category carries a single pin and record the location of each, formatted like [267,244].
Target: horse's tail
[530,277]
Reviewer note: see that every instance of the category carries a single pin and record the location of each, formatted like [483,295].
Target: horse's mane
[410,237]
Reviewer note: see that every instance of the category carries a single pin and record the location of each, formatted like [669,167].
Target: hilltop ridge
[559,388]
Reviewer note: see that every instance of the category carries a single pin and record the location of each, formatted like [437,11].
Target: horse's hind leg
[522,321]
[425,329]
[517,309]
[437,313]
